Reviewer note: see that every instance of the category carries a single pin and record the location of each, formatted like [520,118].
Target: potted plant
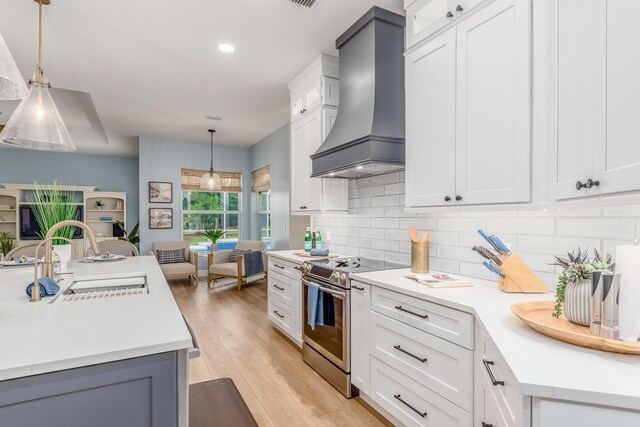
[98,205]
[131,236]
[50,205]
[573,292]
[213,235]
[7,243]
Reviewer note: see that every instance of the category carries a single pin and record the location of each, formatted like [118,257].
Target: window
[203,210]
[264,217]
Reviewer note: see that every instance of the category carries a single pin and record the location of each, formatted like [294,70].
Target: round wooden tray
[537,315]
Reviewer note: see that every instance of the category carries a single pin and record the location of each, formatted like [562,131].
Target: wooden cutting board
[307,255]
[537,315]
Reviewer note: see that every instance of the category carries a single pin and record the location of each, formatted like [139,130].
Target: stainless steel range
[327,347]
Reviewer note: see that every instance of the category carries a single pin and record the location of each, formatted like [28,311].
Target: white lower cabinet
[360,313]
[284,297]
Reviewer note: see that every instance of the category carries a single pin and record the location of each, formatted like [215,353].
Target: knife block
[518,277]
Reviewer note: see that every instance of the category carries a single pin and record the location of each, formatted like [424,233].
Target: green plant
[132,236]
[577,267]
[7,242]
[98,204]
[50,205]
[214,234]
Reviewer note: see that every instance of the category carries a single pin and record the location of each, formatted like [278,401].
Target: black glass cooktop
[356,264]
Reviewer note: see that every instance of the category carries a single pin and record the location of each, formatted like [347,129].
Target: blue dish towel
[315,306]
[253,263]
[48,287]
[319,252]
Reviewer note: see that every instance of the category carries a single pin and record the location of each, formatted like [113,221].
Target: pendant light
[211,181]
[12,85]
[36,124]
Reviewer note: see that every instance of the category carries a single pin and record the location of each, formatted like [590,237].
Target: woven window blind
[231,181]
[261,179]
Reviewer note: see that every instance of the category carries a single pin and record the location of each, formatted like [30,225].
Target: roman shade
[261,179]
[231,181]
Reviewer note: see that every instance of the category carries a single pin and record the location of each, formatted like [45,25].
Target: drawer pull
[486,425]
[278,314]
[298,268]
[422,316]
[422,414]
[357,288]
[278,288]
[397,347]
[487,366]
[278,266]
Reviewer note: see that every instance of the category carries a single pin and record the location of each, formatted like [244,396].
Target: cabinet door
[313,124]
[299,166]
[330,91]
[618,160]
[581,93]
[425,17]
[360,329]
[297,104]
[313,96]
[430,145]
[493,104]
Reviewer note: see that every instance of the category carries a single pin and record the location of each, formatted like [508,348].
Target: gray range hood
[367,137]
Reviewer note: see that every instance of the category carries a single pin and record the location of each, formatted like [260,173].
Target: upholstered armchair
[221,266]
[188,267]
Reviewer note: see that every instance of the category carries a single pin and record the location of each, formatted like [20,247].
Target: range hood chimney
[367,137]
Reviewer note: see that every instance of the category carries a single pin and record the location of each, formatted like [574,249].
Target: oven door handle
[328,290]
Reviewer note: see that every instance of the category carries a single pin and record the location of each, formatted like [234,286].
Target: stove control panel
[339,278]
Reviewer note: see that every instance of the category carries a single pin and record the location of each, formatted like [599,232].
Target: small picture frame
[160,218]
[160,192]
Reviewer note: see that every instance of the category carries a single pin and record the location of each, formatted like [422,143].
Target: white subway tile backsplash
[377,223]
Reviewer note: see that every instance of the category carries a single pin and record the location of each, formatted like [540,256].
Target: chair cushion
[170,256]
[178,268]
[234,254]
[225,269]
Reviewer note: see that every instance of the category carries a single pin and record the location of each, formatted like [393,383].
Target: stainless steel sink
[91,288]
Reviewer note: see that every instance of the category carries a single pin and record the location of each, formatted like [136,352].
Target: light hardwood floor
[238,341]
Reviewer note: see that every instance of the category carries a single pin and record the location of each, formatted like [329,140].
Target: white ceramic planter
[577,302]
[64,252]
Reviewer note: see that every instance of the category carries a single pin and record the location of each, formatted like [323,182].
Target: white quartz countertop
[544,367]
[43,337]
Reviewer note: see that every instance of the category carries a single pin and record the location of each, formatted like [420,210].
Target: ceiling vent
[307,3]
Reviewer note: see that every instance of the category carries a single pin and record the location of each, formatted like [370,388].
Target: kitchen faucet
[47,264]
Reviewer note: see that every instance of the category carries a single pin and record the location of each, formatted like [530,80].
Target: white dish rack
[93,288]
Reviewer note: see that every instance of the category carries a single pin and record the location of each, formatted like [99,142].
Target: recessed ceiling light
[359,167]
[226,48]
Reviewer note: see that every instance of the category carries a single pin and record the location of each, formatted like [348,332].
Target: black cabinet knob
[486,425]
[458,198]
[459,8]
[304,110]
[449,15]
[447,198]
[588,184]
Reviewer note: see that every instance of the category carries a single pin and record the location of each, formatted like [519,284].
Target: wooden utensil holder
[518,277]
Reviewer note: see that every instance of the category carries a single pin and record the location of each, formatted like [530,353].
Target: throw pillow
[234,254]
[170,256]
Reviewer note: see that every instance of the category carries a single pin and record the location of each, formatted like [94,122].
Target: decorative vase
[577,302]
[64,252]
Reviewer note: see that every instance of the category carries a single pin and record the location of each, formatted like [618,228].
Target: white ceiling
[152,67]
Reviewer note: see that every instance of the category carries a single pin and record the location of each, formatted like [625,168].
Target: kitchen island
[115,361]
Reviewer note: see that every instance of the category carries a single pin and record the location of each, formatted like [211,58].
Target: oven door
[332,339]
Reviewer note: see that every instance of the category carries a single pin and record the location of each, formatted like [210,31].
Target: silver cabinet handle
[278,314]
[196,347]
[422,316]
[278,287]
[423,360]
[422,414]
[487,364]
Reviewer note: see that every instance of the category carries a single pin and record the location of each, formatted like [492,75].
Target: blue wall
[162,160]
[273,150]
[106,173]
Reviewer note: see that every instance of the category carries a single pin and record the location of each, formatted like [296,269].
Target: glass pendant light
[210,180]
[36,124]
[12,85]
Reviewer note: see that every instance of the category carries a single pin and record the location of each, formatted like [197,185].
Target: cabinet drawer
[506,390]
[282,287]
[285,268]
[447,323]
[443,367]
[412,403]
[281,315]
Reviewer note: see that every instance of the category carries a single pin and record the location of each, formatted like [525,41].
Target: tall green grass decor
[50,205]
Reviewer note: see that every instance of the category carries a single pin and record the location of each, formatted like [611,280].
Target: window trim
[224,213]
[265,212]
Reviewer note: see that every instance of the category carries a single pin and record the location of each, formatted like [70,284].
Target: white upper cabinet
[430,134]
[493,104]
[314,96]
[597,96]
[468,111]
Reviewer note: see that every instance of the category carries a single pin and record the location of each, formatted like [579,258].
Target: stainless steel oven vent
[307,3]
